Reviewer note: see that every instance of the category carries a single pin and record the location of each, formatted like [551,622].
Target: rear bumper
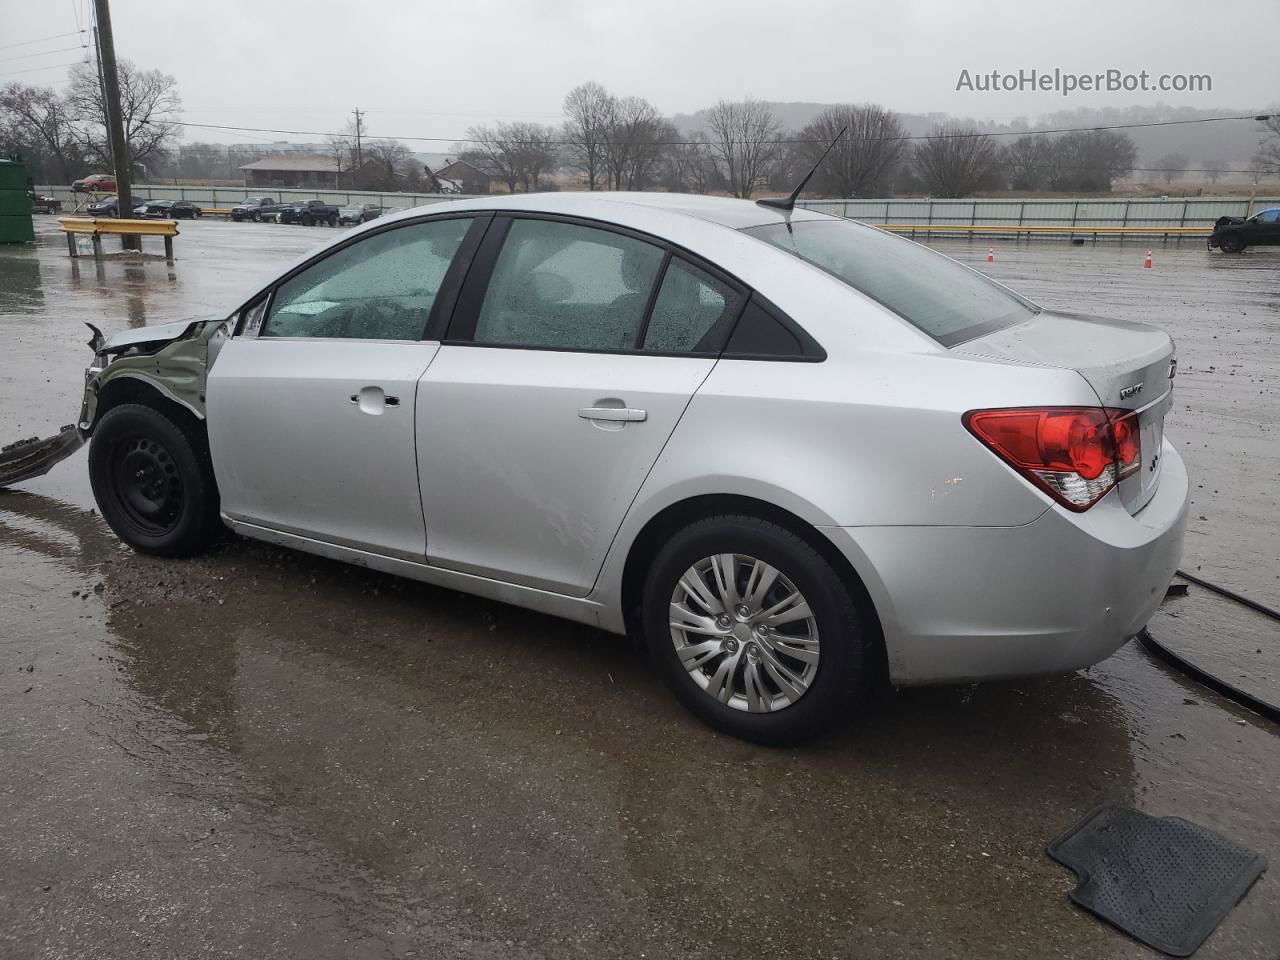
[1059,593]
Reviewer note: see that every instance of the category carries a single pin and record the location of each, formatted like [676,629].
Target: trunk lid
[1129,366]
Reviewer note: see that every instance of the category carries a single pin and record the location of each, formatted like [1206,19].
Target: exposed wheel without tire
[754,631]
[153,482]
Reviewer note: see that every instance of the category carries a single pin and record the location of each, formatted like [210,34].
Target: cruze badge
[1130,391]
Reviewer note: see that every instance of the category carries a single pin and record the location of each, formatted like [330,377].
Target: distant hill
[1234,142]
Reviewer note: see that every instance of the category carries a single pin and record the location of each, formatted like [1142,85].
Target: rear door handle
[614,414]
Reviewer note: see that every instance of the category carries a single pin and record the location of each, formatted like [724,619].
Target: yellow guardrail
[96,227]
[142,228]
[1041,228]
[215,211]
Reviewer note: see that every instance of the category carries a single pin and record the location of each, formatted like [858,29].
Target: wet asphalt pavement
[263,754]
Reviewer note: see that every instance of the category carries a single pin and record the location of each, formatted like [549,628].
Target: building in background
[470,177]
[301,170]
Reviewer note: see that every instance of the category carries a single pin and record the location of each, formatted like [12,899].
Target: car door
[572,355]
[311,403]
[1268,227]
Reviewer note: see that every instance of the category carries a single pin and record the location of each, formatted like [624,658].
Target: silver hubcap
[744,632]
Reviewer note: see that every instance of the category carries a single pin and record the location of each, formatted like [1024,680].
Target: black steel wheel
[153,482]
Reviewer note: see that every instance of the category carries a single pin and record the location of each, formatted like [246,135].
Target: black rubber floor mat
[1163,880]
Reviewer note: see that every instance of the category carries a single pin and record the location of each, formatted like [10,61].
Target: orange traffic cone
[1147,262]
[991,254]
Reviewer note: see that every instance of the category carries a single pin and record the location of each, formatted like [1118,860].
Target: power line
[778,141]
[52,66]
[45,53]
[24,43]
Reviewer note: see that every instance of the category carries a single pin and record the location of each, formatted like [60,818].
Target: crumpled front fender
[172,359]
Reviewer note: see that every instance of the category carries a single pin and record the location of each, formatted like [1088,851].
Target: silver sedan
[796,455]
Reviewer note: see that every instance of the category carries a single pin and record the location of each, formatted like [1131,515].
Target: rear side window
[569,287]
[378,288]
[692,312]
[945,300]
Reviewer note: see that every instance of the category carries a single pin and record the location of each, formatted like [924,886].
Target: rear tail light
[1075,454]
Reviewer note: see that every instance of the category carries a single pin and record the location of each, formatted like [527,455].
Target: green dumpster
[15,203]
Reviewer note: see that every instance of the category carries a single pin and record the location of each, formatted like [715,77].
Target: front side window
[1269,216]
[569,287]
[933,293]
[381,287]
[692,313]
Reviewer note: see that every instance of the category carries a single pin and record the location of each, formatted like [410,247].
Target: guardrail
[1148,213]
[227,197]
[989,229]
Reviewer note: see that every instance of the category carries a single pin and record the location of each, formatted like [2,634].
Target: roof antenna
[788,203]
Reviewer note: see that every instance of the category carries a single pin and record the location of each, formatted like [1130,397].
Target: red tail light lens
[1075,454]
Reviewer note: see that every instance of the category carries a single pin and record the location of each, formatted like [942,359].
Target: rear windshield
[949,302]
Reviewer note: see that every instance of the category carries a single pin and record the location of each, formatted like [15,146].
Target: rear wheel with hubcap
[754,630]
[153,483]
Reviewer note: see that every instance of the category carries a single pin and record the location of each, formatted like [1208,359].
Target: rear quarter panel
[862,439]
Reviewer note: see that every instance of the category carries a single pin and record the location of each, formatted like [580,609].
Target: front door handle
[613,414]
[373,401]
[389,401]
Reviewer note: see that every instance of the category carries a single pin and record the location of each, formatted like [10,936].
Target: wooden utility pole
[115,121]
[359,159]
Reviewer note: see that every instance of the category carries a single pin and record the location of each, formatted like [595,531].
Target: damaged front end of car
[165,362]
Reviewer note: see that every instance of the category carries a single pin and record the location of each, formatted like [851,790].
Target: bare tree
[862,163]
[34,122]
[636,135]
[149,103]
[743,140]
[387,164]
[342,150]
[1090,160]
[587,108]
[1267,159]
[1214,169]
[520,154]
[1027,160]
[1172,166]
[687,165]
[955,160]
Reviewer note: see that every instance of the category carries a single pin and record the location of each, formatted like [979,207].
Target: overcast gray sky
[433,69]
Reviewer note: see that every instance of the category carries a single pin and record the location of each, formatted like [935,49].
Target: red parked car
[95,183]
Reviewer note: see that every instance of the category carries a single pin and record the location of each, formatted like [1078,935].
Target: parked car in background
[796,454]
[43,204]
[106,207]
[95,183]
[309,213]
[172,209]
[360,213]
[1234,234]
[252,208]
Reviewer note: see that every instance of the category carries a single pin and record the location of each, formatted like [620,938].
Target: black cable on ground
[1231,595]
[1261,707]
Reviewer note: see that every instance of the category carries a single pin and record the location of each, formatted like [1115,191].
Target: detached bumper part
[34,457]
